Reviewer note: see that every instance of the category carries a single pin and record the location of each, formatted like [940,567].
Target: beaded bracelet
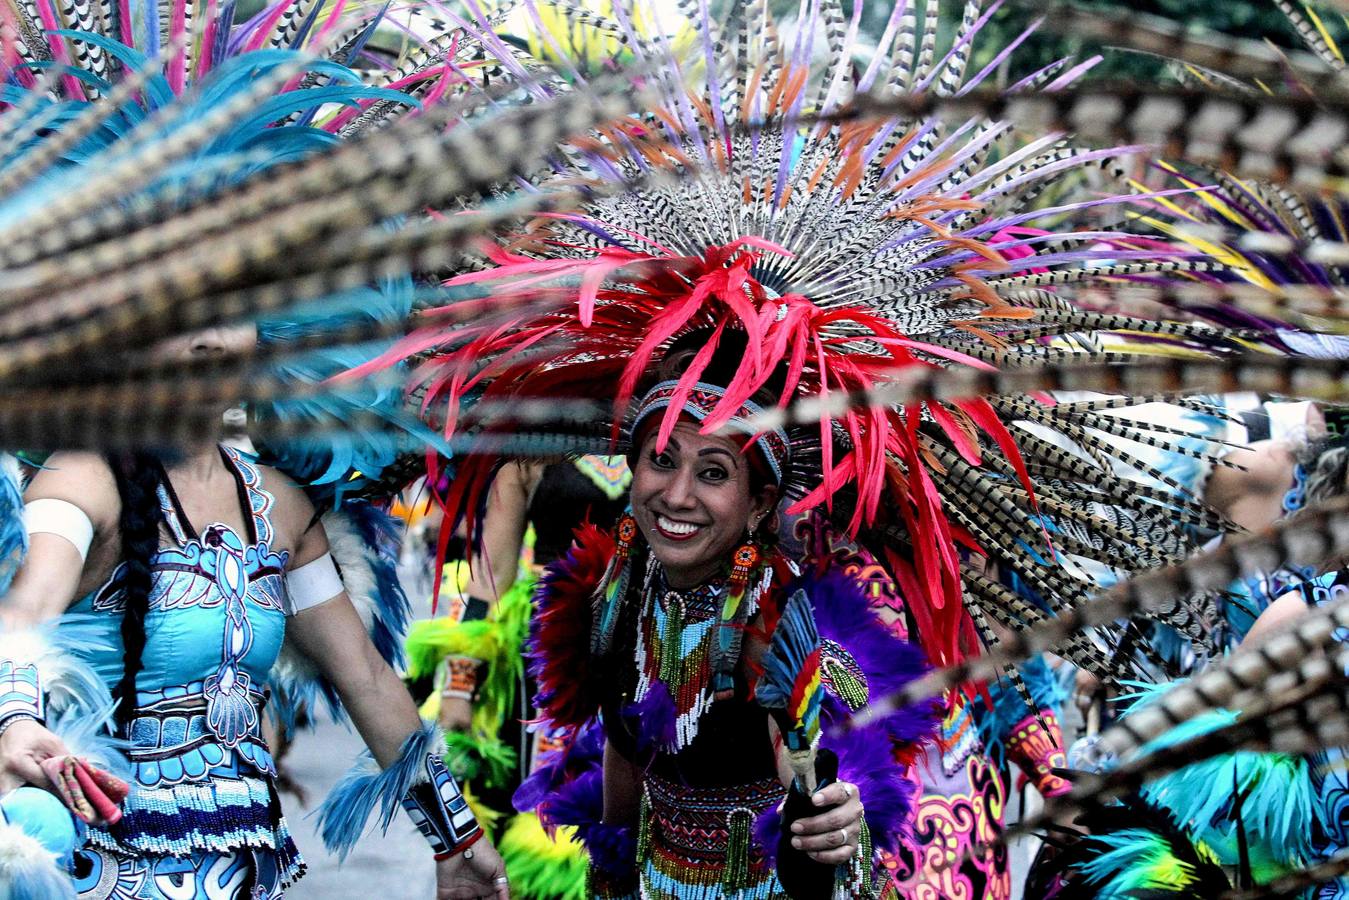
[461,677]
[8,721]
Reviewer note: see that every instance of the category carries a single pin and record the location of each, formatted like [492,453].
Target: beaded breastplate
[688,644]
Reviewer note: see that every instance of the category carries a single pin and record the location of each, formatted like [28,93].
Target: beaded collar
[688,645]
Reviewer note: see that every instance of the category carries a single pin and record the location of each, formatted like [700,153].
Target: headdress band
[701,401]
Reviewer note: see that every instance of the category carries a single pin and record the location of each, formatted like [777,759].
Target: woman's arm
[622,788]
[492,571]
[334,638]
[54,570]
[50,578]
[494,568]
[1275,618]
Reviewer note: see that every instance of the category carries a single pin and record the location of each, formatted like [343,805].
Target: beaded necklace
[688,642]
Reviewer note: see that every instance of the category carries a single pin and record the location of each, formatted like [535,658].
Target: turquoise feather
[365,788]
[1279,811]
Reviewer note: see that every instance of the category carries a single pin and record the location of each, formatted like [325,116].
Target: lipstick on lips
[673,530]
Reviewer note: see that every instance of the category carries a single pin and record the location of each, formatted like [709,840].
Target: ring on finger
[842,837]
[501,879]
[847,790]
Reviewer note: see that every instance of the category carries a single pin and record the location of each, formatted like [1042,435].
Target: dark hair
[721,368]
[138,479]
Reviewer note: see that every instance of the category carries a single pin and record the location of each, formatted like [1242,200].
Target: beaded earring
[614,585]
[744,561]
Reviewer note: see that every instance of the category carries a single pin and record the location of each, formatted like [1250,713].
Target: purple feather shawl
[567,788]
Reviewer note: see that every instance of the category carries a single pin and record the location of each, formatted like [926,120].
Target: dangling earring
[613,586]
[744,562]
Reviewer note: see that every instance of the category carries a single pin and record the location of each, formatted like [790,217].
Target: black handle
[802,877]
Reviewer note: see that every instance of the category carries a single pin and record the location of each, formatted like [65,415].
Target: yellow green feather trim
[539,867]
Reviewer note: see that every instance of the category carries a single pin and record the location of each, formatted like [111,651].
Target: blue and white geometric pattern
[20,690]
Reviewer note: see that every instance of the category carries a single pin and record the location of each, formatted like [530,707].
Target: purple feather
[767,832]
[582,752]
[1076,72]
[866,757]
[960,44]
[613,849]
[843,615]
[654,716]
[998,60]
[882,48]
[580,803]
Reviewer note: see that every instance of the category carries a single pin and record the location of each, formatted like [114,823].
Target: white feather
[28,869]
[66,679]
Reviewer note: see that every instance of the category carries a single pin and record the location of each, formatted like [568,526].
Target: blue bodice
[214,595]
[214,625]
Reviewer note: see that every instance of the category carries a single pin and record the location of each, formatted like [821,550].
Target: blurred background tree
[1252,19]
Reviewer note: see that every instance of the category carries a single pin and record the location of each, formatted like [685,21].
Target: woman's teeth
[670,526]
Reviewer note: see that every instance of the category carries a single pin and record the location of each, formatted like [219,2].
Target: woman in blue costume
[170,581]
[1323,476]
[197,566]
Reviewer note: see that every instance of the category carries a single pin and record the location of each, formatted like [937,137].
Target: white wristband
[311,584]
[48,515]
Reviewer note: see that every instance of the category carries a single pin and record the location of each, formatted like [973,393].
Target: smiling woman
[698,669]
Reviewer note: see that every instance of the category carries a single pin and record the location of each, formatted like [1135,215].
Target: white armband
[60,517]
[311,584]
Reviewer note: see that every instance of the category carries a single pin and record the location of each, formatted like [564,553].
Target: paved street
[396,866]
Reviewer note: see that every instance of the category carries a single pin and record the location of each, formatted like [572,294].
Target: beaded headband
[701,401]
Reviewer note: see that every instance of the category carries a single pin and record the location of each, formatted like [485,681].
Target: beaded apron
[697,842]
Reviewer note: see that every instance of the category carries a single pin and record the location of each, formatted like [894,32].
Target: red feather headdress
[848,254]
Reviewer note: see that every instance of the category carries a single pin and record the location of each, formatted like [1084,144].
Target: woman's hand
[476,874]
[1086,688]
[456,714]
[23,747]
[831,837]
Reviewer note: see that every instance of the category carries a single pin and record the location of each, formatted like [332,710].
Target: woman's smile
[675,530]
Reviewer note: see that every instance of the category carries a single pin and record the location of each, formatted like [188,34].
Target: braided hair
[138,479]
